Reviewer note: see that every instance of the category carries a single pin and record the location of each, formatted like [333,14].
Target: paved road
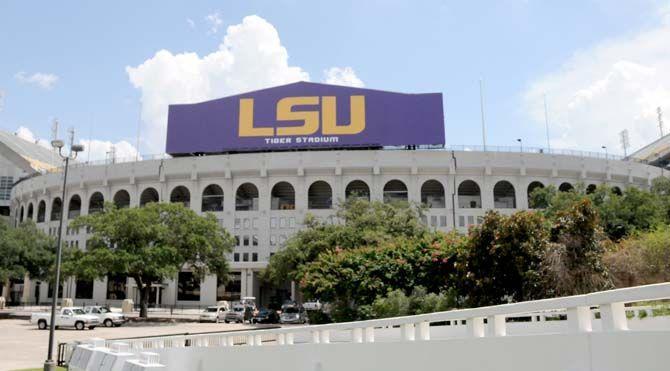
[22,345]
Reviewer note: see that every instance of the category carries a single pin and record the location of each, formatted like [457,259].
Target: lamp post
[605,148]
[50,364]
[520,145]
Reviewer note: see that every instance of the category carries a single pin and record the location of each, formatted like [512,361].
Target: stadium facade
[262,161]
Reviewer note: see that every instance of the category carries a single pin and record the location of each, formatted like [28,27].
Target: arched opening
[21,216]
[395,191]
[532,187]
[30,211]
[56,209]
[282,197]
[503,195]
[41,212]
[591,189]
[181,195]
[74,207]
[246,198]
[432,194]
[148,195]
[469,195]
[212,198]
[566,187]
[357,189]
[617,191]
[122,199]
[96,203]
[319,195]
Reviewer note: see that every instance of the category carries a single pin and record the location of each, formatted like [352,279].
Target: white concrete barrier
[578,333]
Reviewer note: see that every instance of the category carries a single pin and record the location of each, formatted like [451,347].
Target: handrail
[610,304]
[459,148]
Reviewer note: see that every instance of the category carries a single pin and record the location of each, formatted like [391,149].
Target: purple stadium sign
[305,115]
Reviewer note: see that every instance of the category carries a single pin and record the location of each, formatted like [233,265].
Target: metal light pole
[520,145]
[50,364]
[605,148]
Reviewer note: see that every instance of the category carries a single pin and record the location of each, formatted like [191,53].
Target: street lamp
[50,364]
[605,148]
[520,145]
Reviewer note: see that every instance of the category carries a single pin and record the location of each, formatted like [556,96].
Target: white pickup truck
[66,317]
[106,316]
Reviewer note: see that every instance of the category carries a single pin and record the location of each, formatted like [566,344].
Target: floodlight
[57,143]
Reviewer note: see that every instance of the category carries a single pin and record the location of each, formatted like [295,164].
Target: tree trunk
[144,299]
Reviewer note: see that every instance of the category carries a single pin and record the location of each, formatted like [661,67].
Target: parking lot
[22,345]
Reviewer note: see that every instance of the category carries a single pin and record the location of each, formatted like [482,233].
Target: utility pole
[546,122]
[481,103]
[660,120]
[625,141]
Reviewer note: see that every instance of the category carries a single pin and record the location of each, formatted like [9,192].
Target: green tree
[573,263]
[502,259]
[25,249]
[634,210]
[643,258]
[361,224]
[352,279]
[150,244]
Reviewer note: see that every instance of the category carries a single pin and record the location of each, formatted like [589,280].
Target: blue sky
[603,64]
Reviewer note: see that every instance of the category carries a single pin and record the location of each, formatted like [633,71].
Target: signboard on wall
[305,115]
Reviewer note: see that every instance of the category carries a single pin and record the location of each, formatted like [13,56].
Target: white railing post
[325,336]
[258,340]
[289,338]
[579,319]
[281,339]
[315,337]
[476,327]
[408,332]
[613,317]
[424,331]
[250,339]
[369,334]
[357,335]
[230,340]
[496,326]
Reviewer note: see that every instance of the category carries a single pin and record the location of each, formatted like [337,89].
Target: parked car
[265,315]
[106,316]
[66,317]
[215,313]
[239,314]
[312,305]
[293,314]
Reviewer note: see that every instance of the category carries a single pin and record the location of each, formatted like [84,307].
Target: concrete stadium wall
[302,169]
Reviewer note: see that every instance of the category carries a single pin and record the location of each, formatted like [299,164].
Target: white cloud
[342,76]
[215,22]
[603,90]
[190,22]
[96,150]
[250,57]
[27,135]
[39,79]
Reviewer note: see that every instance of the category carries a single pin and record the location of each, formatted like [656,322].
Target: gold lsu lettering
[327,116]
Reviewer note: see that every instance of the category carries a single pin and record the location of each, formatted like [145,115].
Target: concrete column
[25,297]
[5,291]
[613,317]
[579,319]
[208,290]
[250,282]
[243,283]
